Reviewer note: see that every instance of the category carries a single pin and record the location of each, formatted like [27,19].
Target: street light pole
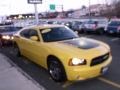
[89,9]
[62,10]
[36,14]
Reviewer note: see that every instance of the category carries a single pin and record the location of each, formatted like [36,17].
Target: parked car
[62,52]
[6,34]
[68,24]
[118,32]
[113,27]
[77,26]
[97,26]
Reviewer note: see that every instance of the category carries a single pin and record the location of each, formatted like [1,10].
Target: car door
[35,49]
[22,41]
[31,46]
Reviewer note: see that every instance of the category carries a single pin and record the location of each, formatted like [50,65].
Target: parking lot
[109,81]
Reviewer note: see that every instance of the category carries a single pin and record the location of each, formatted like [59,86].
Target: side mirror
[34,38]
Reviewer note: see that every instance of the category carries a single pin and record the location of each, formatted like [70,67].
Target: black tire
[16,50]
[85,31]
[1,44]
[56,70]
[101,31]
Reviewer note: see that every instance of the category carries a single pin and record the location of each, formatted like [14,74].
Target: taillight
[118,28]
[94,26]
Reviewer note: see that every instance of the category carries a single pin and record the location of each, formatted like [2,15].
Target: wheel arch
[51,57]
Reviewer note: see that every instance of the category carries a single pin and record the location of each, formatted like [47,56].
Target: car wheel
[17,50]
[85,32]
[101,31]
[1,44]
[56,71]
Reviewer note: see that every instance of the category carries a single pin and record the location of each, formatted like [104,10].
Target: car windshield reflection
[57,34]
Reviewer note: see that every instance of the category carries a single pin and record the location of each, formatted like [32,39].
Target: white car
[97,26]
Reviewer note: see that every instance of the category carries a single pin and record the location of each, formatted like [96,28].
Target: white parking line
[67,83]
[115,39]
[109,82]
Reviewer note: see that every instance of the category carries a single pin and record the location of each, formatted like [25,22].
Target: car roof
[43,26]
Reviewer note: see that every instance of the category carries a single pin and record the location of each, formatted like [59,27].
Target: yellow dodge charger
[62,52]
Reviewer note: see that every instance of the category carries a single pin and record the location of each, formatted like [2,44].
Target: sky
[8,7]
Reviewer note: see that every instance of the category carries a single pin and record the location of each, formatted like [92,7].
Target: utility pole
[36,14]
[35,2]
[62,10]
[89,9]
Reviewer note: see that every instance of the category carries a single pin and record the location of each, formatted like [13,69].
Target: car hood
[80,47]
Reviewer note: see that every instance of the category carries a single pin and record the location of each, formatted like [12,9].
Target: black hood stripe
[82,43]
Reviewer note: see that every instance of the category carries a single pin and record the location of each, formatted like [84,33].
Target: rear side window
[25,33]
[90,22]
[28,33]
[33,33]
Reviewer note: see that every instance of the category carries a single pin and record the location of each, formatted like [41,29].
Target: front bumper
[6,42]
[82,73]
[111,31]
[90,29]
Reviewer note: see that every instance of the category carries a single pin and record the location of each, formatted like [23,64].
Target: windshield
[90,22]
[9,29]
[115,23]
[57,34]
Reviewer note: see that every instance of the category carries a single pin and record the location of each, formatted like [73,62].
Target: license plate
[104,70]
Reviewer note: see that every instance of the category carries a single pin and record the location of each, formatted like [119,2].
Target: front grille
[99,60]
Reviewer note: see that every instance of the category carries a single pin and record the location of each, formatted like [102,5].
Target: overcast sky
[8,7]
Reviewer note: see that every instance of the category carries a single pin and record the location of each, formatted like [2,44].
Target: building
[92,10]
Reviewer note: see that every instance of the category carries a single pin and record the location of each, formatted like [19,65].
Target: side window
[33,33]
[25,33]
[28,33]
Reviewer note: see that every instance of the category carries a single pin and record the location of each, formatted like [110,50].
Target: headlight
[77,61]
[67,24]
[12,37]
[6,37]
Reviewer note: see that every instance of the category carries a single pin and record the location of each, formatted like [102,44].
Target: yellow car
[62,52]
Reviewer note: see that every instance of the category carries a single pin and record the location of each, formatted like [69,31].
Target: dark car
[6,34]
[113,28]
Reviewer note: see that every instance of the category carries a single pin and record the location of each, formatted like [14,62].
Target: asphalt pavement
[109,81]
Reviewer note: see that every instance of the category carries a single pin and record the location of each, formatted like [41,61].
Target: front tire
[16,50]
[56,70]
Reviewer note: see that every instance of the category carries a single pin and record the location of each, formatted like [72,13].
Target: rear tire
[85,31]
[56,70]
[101,31]
[1,44]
